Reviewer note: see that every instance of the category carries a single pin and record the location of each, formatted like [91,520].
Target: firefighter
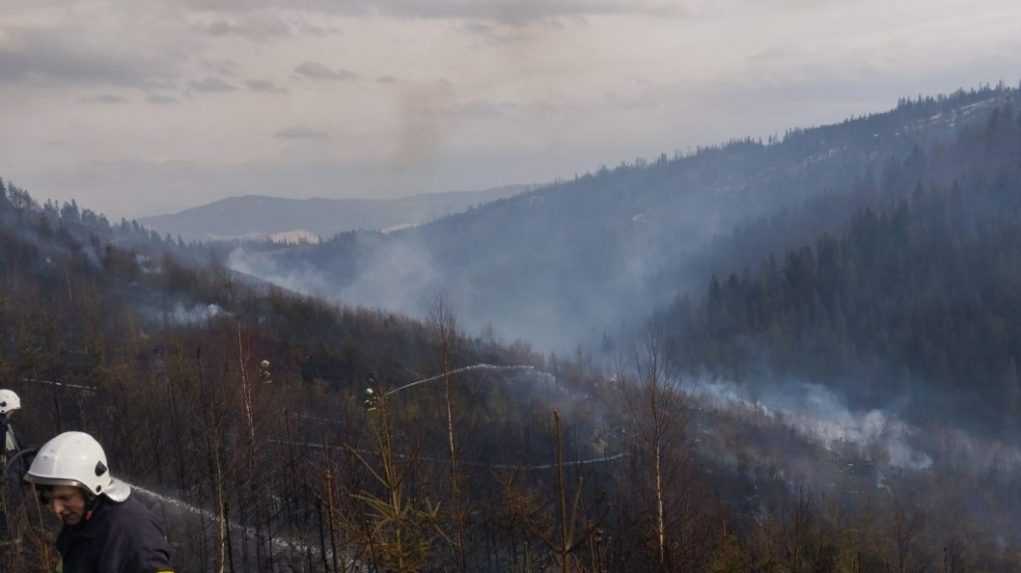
[9,403]
[105,528]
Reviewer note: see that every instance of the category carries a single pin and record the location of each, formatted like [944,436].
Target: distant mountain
[291,220]
[565,263]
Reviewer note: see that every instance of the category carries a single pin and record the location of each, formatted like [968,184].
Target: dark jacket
[117,538]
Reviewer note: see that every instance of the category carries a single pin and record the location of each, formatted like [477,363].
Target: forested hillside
[239,412]
[567,262]
[917,295]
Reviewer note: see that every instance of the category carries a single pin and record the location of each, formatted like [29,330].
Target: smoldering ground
[880,436]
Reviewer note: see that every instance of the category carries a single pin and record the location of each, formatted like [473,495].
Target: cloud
[480,109]
[212,85]
[306,29]
[298,132]
[108,99]
[504,11]
[255,29]
[53,57]
[265,25]
[318,71]
[160,99]
[221,66]
[265,86]
[523,11]
[386,80]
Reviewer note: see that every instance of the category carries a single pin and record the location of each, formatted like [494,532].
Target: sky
[139,107]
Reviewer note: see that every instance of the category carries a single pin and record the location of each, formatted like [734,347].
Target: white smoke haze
[180,313]
[819,415]
[397,279]
[878,436]
[305,280]
[400,277]
[196,314]
[963,451]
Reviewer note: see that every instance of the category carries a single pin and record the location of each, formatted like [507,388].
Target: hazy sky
[142,106]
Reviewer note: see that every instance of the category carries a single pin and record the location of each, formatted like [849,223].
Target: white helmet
[9,401]
[76,459]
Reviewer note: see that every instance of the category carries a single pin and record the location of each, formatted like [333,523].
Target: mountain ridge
[565,263]
[259,216]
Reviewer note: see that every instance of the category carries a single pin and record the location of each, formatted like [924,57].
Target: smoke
[181,313]
[196,314]
[399,277]
[300,277]
[878,436]
[425,121]
[963,451]
[818,414]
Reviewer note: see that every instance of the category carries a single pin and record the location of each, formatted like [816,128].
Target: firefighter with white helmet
[105,529]
[9,403]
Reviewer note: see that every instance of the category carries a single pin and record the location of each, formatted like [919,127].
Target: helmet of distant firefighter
[9,401]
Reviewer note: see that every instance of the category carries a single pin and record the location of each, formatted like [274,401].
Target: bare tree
[656,413]
[444,325]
